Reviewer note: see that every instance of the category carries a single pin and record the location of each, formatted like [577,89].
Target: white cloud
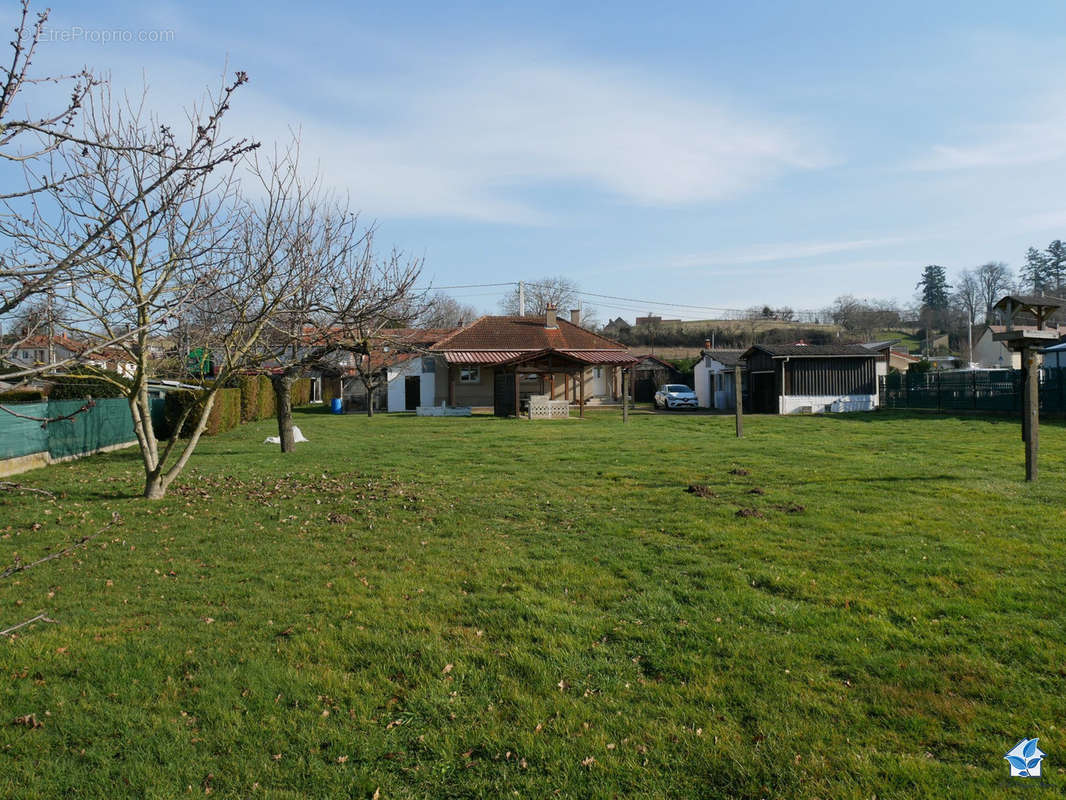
[783,251]
[485,138]
[1038,140]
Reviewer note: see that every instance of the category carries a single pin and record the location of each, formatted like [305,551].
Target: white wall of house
[989,353]
[714,384]
[397,379]
[701,378]
[817,404]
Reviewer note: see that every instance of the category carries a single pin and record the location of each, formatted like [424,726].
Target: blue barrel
[336,405]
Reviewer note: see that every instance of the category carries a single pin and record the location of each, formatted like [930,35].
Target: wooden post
[1025,395]
[625,395]
[739,398]
[581,408]
[1032,412]
[517,404]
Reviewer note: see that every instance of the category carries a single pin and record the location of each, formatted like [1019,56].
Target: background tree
[339,290]
[560,291]
[1055,267]
[994,280]
[1035,271]
[968,299]
[934,287]
[444,311]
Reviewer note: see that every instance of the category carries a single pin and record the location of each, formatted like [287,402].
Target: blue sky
[722,154]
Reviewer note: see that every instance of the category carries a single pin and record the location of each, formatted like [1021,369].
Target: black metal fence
[980,390]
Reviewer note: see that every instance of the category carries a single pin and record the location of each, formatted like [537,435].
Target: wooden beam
[625,395]
[581,408]
[739,401]
[517,404]
[1032,412]
[566,386]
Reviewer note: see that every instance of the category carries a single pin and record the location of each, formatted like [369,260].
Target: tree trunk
[283,405]
[370,402]
[153,487]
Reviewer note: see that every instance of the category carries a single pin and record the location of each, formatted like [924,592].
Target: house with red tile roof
[500,361]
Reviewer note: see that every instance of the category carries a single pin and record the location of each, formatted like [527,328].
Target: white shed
[714,380]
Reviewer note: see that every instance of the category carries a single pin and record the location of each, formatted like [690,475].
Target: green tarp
[108,423]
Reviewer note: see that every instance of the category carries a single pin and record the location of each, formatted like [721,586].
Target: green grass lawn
[489,608]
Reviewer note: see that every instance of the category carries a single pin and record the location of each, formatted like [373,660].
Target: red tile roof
[524,333]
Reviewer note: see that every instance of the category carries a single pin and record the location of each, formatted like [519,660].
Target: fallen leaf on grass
[588,762]
[447,668]
[28,721]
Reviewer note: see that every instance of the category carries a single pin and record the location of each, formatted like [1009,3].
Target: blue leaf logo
[1024,759]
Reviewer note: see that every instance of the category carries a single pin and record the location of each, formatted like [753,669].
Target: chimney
[549,314]
[575,316]
[706,344]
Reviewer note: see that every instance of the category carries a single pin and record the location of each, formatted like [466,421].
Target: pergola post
[581,408]
[566,386]
[451,385]
[625,395]
[517,404]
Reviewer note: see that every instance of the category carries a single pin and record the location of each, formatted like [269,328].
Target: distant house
[616,327]
[714,378]
[992,354]
[502,361]
[789,379]
[649,374]
[407,372]
[890,357]
[39,351]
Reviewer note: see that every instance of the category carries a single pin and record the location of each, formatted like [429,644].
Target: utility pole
[739,396]
[521,298]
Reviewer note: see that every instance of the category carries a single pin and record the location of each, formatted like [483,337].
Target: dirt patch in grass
[700,490]
[756,490]
[791,508]
[739,471]
[752,513]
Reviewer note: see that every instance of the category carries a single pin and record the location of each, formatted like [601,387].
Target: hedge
[251,400]
[22,396]
[88,381]
[225,412]
[257,397]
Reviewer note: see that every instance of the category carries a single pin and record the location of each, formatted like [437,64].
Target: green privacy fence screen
[107,423]
[978,390]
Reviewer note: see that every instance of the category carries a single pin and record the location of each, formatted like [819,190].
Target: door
[644,390]
[763,397]
[412,392]
[503,399]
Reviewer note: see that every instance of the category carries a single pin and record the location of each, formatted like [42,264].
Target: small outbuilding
[800,378]
[649,374]
[714,378]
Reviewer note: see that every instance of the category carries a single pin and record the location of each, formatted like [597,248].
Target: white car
[675,395]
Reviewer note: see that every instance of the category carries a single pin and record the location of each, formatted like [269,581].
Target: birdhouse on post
[1028,341]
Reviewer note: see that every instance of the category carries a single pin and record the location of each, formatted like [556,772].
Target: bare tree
[968,297]
[51,238]
[443,311]
[994,279]
[339,292]
[173,231]
[559,291]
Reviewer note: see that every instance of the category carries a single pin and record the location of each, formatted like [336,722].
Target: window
[429,364]
[470,375]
